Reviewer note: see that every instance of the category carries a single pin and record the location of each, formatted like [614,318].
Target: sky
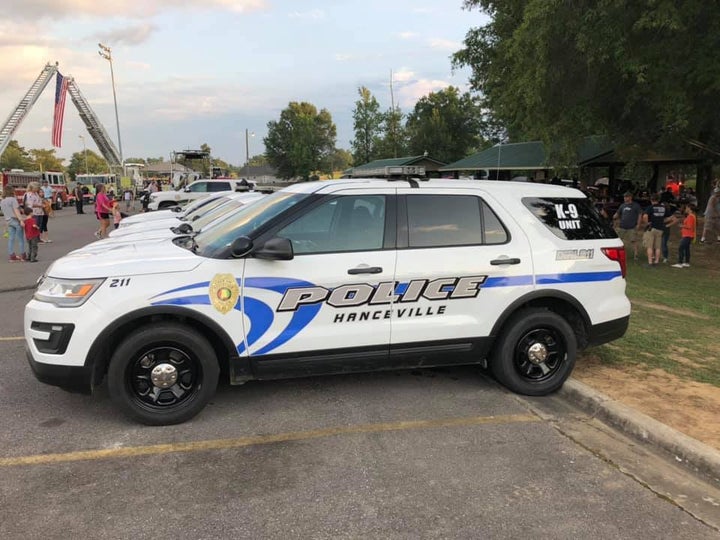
[189,72]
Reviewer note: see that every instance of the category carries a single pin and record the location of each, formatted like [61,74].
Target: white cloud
[314,14]
[445,44]
[54,9]
[408,35]
[403,75]
[129,35]
[409,94]
[343,57]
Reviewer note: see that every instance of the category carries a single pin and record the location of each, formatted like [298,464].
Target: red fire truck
[19,179]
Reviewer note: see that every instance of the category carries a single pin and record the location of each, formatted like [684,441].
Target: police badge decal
[224,292]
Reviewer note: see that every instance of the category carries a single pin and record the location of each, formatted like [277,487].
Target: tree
[301,142]
[16,157]
[394,141]
[135,160]
[341,159]
[367,123]
[646,74]
[446,124]
[96,164]
[258,160]
[46,160]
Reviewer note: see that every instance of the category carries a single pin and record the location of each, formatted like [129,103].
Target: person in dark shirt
[656,218]
[629,218]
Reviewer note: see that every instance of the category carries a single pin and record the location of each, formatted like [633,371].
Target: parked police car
[177,211]
[200,215]
[335,277]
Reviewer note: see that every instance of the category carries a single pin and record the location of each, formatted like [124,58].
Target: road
[416,454]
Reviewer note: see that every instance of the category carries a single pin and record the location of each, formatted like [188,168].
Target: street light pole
[248,134]
[84,152]
[106,53]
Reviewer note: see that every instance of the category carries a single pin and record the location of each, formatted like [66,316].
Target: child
[687,232]
[32,234]
[117,215]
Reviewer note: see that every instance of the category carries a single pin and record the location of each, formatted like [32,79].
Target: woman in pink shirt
[103,210]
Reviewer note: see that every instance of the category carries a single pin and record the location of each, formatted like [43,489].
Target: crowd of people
[651,225]
[26,222]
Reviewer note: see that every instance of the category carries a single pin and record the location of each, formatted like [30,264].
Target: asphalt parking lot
[441,453]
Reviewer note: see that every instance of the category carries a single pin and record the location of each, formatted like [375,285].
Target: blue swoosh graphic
[184,301]
[578,277]
[300,319]
[261,317]
[185,288]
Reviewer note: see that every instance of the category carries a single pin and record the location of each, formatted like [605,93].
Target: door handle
[498,262]
[365,270]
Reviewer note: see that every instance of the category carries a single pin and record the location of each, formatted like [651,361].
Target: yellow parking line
[223,444]
[12,339]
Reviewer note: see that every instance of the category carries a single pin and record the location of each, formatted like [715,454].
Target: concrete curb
[701,456]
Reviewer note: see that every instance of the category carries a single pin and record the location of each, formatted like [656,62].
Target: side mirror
[240,247]
[186,189]
[184,228]
[176,209]
[277,249]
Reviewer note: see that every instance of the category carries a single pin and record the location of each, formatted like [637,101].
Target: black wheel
[164,374]
[535,352]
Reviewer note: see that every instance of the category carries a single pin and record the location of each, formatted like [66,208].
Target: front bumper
[70,378]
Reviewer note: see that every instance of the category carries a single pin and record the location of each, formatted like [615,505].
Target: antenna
[392,115]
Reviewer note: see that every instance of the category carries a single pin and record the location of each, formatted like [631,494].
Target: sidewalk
[70,231]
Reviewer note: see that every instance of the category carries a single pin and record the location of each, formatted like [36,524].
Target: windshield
[200,210]
[245,222]
[228,207]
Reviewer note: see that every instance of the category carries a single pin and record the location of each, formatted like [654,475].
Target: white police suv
[336,277]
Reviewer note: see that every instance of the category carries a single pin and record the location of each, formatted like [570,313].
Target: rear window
[569,219]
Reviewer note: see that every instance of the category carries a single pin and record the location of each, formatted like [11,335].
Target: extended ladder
[95,128]
[97,131]
[18,115]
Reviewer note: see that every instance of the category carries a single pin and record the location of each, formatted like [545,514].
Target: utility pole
[248,134]
[106,53]
[84,152]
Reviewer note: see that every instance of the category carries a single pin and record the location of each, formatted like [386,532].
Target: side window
[493,230]
[218,186]
[452,220]
[345,223]
[199,187]
[569,218]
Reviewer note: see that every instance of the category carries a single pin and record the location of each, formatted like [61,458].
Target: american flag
[60,93]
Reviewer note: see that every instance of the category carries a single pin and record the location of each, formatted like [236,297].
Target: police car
[194,219]
[336,277]
[178,211]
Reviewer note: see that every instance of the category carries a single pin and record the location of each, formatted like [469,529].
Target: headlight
[66,292]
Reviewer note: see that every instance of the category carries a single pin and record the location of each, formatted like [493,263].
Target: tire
[523,370]
[163,350]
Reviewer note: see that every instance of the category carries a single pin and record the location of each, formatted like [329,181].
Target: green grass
[675,321]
